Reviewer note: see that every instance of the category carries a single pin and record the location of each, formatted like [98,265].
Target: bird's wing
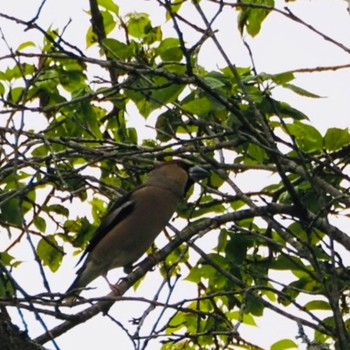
[118,212]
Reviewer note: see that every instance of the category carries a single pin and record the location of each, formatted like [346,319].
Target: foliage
[66,141]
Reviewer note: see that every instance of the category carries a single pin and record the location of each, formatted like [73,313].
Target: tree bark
[11,337]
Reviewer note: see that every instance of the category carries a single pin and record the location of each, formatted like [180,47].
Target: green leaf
[6,258]
[336,138]
[294,288]
[322,337]
[237,246]
[167,124]
[298,90]
[254,305]
[214,82]
[10,211]
[174,7]
[108,21]
[7,289]
[238,204]
[118,49]
[58,209]
[287,111]
[284,344]
[25,45]
[84,119]
[270,293]
[49,252]
[178,321]
[256,153]
[40,223]
[83,231]
[174,67]
[109,5]
[152,35]
[144,107]
[283,262]
[282,78]
[91,37]
[195,274]
[72,81]
[132,136]
[2,89]
[252,18]
[317,305]
[202,272]
[41,151]
[215,180]
[16,94]
[11,73]
[247,319]
[169,50]
[164,92]
[308,138]
[138,25]
[198,106]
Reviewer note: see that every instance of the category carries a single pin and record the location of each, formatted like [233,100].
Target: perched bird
[134,222]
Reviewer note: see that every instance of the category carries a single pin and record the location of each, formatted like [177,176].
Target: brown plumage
[134,222]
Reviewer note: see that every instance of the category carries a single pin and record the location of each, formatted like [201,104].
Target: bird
[134,222]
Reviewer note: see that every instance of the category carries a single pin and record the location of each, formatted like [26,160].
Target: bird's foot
[115,289]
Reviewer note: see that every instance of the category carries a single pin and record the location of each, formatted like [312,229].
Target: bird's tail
[85,275]
[73,291]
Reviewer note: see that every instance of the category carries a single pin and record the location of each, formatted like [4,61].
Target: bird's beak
[197,173]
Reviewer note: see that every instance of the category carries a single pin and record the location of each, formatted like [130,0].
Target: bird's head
[179,172]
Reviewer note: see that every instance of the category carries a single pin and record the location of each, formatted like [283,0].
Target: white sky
[281,45]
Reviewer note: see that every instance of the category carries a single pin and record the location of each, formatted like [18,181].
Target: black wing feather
[118,212]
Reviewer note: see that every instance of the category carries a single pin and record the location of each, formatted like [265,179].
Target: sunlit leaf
[26,44]
[109,5]
[284,344]
[138,24]
[317,305]
[16,94]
